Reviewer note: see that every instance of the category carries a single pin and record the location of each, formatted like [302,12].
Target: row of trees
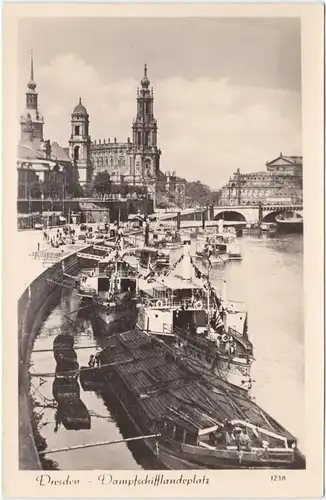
[201,193]
[36,189]
[102,184]
[196,193]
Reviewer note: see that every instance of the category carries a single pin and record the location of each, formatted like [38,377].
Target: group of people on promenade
[56,237]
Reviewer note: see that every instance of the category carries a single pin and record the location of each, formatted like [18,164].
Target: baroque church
[135,162]
[44,169]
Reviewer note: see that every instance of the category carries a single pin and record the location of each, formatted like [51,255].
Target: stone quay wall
[33,307]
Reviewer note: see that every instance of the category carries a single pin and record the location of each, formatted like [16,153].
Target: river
[270,280]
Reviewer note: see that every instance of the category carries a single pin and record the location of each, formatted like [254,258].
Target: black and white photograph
[160,244]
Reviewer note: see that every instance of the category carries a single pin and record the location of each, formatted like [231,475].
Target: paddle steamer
[182,307]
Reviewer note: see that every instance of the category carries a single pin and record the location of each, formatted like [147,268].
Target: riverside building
[281,183]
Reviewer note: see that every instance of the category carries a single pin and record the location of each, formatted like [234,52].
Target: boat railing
[203,341]
[234,333]
[172,303]
[126,274]
[242,341]
[47,256]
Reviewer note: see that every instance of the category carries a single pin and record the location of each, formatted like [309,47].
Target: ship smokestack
[203,219]
[178,220]
[186,263]
[146,242]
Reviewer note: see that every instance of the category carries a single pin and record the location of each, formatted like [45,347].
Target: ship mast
[208,304]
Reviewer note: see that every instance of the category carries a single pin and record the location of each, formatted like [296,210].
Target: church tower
[144,131]
[31,122]
[80,143]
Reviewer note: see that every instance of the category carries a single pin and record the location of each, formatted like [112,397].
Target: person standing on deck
[91,361]
[97,360]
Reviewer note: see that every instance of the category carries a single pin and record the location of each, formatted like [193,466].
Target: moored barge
[199,424]
[289,222]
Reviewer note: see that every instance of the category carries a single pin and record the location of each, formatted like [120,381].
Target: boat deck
[164,384]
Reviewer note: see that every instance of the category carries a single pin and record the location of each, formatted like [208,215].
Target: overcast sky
[227,91]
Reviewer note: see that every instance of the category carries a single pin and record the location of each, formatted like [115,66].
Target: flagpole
[208,303]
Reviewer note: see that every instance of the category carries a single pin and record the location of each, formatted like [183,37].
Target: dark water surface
[270,280]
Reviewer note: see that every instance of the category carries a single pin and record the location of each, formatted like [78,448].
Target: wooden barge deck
[200,420]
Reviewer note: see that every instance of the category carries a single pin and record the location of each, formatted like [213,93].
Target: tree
[51,189]
[34,189]
[199,192]
[124,188]
[75,189]
[101,183]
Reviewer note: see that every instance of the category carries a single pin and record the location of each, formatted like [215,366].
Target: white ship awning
[177,283]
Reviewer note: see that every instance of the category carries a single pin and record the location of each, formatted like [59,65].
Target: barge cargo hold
[201,425]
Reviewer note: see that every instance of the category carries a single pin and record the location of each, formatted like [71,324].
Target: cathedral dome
[80,109]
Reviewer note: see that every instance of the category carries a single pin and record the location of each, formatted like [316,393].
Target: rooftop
[80,109]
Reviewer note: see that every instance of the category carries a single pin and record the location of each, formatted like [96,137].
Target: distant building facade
[281,183]
[44,169]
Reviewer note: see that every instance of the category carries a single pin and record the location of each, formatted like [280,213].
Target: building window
[77,129]
[76,153]
[138,137]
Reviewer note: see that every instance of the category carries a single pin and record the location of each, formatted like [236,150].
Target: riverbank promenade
[32,261]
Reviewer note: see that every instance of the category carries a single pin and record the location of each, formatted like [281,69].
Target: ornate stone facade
[43,169]
[280,183]
[135,162]
[80,144]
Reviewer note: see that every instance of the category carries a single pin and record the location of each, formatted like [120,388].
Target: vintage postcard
[163,250]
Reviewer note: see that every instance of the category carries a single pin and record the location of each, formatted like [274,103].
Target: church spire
[31,84]
[145,83]
[32,66]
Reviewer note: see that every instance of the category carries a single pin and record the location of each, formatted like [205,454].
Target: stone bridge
[254,213]
[240,213]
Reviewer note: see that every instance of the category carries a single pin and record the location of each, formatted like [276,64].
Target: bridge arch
[231,216]
[270,217]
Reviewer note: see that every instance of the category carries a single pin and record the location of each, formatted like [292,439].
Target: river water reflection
[270,280]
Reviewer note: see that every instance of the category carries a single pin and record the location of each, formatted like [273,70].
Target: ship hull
[236,370]
[108,322]
[236,373]
[290,227]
